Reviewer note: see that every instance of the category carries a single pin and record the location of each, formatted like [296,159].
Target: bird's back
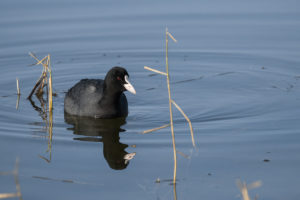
[83,98]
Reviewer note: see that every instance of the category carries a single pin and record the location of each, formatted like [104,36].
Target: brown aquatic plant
[171,101]
[15,173]
[44,79]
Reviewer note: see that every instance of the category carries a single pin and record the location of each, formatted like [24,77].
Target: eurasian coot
[100,98]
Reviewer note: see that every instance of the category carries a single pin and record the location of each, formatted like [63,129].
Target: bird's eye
[118,78]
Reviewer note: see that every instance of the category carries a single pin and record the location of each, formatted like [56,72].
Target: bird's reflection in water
[106,131]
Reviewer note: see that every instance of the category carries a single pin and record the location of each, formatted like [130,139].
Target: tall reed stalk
[170,107]
[167,74]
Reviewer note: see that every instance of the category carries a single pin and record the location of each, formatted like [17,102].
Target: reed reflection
[47,117]
[106,131]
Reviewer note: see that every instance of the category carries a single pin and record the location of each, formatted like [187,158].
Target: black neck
[111,97]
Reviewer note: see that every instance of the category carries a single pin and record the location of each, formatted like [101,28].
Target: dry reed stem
[170,108]
[174,192]
[171,36]
[244,188]
[156,71]
[45,65]
[46,78]
[45,62]
[50,132]
[35,86]
[50,84]
[155,129]
[187,119]
[39,61]
[17,103]
[40,81]
[18,93]
[18,87]
[8,195]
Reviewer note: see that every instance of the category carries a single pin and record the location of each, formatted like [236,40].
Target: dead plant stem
[170,108]
[187,119]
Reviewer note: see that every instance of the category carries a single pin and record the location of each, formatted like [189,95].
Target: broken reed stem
[44,79]
[155,129]
[171,36]
[18,87]
[170,108]
[42,83]
[39,61]
[156,71]
[49,84]
[17,104]
[35,86]
[187,119]
[18,93]
[45,75]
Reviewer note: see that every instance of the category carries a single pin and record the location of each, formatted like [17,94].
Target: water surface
[234,71]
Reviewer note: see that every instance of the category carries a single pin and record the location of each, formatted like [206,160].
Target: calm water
[235,72]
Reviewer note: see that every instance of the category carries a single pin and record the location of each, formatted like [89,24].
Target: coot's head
[117,80]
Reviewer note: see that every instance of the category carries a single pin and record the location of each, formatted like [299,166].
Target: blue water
[234,71]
